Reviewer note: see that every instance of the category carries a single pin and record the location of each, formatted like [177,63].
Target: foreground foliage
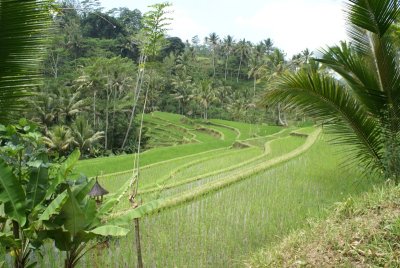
[41,201]
[23,24]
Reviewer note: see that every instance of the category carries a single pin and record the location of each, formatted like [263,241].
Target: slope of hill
[360,232]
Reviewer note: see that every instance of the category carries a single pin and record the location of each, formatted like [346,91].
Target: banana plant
[41,201]
[74,221]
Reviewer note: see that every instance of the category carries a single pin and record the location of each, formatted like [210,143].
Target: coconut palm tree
[60,140]
[213,39]
[243,48]
[256,63]
[269,45]
[84,136]
[206,94]
[228,47]
[23,24]
[182,87]
[360,100]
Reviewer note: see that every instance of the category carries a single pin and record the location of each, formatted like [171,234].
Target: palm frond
[325,98]
[369,22]
[21,44]
[357,73]
[375,16]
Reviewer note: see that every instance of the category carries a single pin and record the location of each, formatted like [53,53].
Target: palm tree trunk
[226,65]
[254,85]
[113,120]
[240,65]
[213,61]
[106,130]
[94,109]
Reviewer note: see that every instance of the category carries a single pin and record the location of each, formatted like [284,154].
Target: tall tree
[228,47]
[212,40]
[243,48]
[205,93]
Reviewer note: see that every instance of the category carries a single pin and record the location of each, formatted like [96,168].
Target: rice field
[218,203]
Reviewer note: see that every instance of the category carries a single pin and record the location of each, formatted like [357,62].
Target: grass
[220,204]
[359,232]
[223,227]
[248,131]
[202,142]
[93,167]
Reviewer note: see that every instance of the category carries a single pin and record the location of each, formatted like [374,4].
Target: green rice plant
[213,163]
[229,134]
[280,146]
[93,167]
[221,228]
[248,131]
[221,180]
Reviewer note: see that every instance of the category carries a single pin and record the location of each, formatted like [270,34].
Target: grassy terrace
[220,203]
[201,142]
[221,228]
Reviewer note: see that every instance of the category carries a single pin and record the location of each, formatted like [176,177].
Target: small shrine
[97,192]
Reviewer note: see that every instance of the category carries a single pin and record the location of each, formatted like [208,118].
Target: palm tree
[269,45]
[84,136]
[70,104]
[213,41]
[182,84]
[362,106]
[243,48]
[228,46]
[256,63]
[60,140]
[23,24]
[205,94]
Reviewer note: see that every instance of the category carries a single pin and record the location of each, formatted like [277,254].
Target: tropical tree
[212,40]
[228,45]
[206,94]
[243,48]
[84,136]
[360,101]
[183,87]
[269,45]
[256,62]
[60,140]
[70,104]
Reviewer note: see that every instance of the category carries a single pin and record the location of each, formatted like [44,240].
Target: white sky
[293,25]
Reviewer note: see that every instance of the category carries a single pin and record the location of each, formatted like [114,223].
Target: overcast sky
[293,25]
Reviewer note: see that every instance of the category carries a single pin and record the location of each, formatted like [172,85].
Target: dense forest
[91,70]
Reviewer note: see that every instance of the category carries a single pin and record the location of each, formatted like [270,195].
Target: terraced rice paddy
[220,196]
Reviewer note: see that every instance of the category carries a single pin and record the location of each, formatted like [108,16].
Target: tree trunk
[113,119]
[94,109]
[106,130]
[213,61]
[254,85]
[138,246]
[240,65]
[226,65]
[280,121]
